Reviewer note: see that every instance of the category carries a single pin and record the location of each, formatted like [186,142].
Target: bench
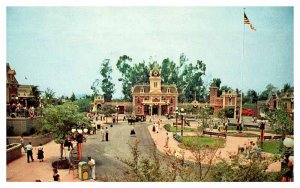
[215,134]
[252,126]
[267,137]
[178,123]
[277,137]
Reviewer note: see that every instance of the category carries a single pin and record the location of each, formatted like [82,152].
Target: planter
[13,151]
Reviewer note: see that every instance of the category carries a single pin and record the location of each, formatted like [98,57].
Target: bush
[167,127]
[32,130]
[25,134]
[10,131]
[177,137]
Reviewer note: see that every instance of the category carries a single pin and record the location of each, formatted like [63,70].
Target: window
[139,110]
[171,109]
[138,100]
[168,90]
[171,101]
[142,90]
[155,84]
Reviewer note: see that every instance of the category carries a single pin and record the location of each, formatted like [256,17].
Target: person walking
[106,134]
[92,169]
[40,153]
[55,175]
[29,149]
[167,141]
[102,134]
[132,132]
[22,143]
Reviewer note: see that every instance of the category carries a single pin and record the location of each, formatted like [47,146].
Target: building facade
[228,99]
[154,98]
[11,84]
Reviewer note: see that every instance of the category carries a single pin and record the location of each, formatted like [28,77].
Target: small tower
[155,80]
[213,93]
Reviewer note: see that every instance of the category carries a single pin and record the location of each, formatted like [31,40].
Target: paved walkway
[231,146]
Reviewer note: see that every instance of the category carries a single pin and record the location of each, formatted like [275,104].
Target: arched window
[171,101]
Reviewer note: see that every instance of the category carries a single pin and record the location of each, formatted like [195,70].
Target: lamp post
[182,114]
[262,129]
[288,159]
[117,108]
[176,113]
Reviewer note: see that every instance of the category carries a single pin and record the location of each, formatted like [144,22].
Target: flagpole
[241,105]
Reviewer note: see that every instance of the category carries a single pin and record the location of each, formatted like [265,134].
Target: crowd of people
[17,109]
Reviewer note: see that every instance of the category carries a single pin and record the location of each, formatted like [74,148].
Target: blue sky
[62,47]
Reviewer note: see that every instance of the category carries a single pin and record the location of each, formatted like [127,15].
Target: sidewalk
[21,171]
[231,146]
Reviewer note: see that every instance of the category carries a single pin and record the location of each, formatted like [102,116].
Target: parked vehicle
[247,112]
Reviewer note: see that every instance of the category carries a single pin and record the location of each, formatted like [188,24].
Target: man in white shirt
[29,149]
[92,168]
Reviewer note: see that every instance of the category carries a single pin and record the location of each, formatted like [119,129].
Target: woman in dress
[40,153]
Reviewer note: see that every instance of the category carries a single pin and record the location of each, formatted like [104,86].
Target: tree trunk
[61,150]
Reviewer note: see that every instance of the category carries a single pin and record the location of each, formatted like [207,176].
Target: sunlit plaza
[150,94]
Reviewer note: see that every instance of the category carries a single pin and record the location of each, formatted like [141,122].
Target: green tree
[169,72]
[73,97]
[59,120]
[107,86]
[95,88]
[190,79]
[125,68]
[49,96]
[266,93]
[251,96]
[287,88]
[217,82]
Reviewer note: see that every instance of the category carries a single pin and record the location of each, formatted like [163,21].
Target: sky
[62,47]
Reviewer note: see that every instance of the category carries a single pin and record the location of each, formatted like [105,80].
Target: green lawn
[272,146]
[201,141]
[185,129]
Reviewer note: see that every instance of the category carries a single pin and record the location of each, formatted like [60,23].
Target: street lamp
[289,159]
[182,114]
[117,108]
[262,128]
[176,113]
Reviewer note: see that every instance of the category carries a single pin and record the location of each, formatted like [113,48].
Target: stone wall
[13,153]
[21,125]
[35,140]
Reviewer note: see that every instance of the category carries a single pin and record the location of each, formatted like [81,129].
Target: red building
[228,100]
[154,98]
[11,84]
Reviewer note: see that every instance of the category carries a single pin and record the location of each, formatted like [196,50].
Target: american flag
[247,21]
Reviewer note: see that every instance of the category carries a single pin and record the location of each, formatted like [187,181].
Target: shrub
[177,137]
[32,130]
[25,134]
[10,131]
[167,127]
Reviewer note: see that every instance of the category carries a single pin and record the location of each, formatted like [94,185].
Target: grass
[201,141]
[272,146]
[185,129]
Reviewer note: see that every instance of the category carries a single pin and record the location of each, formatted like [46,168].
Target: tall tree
[107,86]
[125,68]
[266,93]
[49,96]
[59,120]
[217,82]
[251,96]
[190,79]
[73,97]
[95,87]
